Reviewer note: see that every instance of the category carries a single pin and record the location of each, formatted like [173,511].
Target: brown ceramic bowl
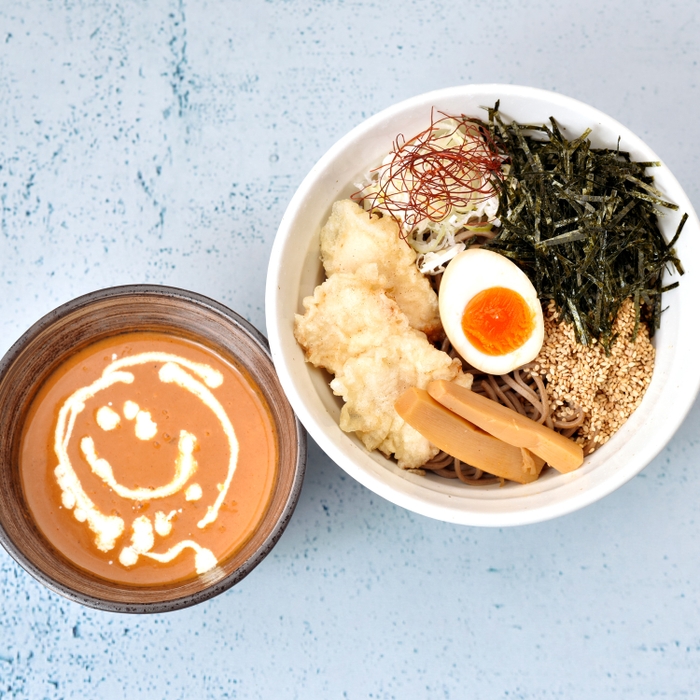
[106,313]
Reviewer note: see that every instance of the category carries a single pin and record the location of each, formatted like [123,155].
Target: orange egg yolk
[497,321]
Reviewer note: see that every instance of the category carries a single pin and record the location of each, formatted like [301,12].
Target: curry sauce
[148,459]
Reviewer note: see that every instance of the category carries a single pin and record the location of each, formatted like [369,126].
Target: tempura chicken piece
[347,315]
[352,238]
[353,329]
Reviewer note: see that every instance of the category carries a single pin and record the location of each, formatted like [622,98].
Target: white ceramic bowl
[295,269]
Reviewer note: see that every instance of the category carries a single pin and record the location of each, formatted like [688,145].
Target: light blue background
[157,141]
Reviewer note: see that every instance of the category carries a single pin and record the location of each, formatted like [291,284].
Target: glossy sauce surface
[148,459]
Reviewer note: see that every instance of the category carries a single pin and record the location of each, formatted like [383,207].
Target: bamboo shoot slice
[463,440]
[506,424]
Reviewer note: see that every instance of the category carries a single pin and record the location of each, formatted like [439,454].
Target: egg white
[469,273]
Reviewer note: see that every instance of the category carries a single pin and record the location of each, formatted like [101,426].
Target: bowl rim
[261,343]
[411,497]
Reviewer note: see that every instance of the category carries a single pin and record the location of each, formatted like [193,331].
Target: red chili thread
[433,179]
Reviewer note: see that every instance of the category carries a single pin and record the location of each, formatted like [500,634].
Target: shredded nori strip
[582,223]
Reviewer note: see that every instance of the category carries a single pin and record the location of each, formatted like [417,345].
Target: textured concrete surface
[160,142]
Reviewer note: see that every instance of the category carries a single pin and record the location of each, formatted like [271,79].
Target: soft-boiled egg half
[490,311]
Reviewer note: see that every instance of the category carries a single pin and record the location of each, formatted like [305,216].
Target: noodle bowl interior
[405,258]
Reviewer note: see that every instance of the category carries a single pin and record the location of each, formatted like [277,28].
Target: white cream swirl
[108,528]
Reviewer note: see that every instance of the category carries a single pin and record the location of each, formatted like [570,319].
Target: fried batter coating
[353,329]
[352,238]
[347,315]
